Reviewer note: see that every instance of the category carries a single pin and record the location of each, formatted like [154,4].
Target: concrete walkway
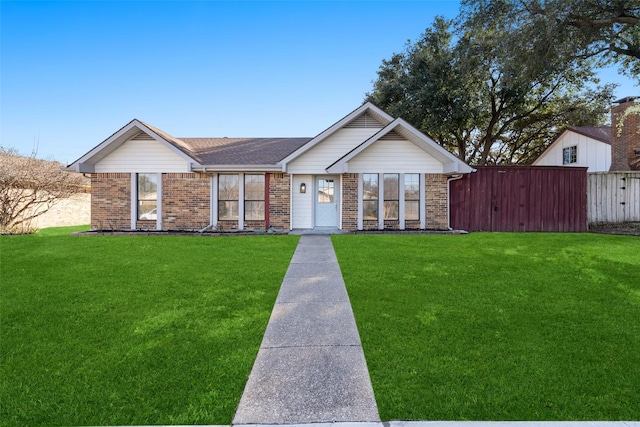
[310,367]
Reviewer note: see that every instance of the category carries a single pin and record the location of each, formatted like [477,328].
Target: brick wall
[349,201]
[391,224]
[110,201]
[411,225]
[436,199]
[186,201]
[625,141]
[279,201]
[254,225]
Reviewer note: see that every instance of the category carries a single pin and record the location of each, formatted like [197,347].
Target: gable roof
[134,127]
[451,163]
[366,108]
[205,153]
[601,133]
[268,154]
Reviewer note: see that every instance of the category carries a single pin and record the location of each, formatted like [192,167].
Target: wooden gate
[520,198]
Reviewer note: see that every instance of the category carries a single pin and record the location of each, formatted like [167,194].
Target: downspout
[211,225]
[452,178]
[206,228]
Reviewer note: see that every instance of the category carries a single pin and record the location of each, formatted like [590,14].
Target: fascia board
[341,163]
[235,168]
[550,146]
[333,128]
[434,149]
[431,147]
[120,137]
[166,143]
[104,145]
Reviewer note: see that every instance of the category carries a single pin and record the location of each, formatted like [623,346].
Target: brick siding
[349,201]
[279,203]
[436,198]
[411,225]
[625,142]
[110,201]
[253,225]
[186,201]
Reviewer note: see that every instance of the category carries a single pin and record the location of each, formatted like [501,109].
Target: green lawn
[498,326]
[124,330]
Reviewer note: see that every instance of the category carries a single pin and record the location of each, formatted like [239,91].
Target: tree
[605,30]
[480,90]
[29,187]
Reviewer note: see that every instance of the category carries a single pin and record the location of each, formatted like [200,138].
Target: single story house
[367,171]
[583,146]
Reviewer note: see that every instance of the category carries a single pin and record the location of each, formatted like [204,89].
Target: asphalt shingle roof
[601,133]
[241,151]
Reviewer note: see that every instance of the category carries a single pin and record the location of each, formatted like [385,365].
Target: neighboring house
[579,146]
[367,171]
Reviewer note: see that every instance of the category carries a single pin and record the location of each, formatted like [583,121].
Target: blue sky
[74,72]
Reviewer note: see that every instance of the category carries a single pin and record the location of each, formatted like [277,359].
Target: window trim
[245,200]
[385,200]
[570,155]
[236,200]
[375,199]
[404,196]
[140,199]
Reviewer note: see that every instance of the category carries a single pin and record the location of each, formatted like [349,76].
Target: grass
[498,326]
[123,330]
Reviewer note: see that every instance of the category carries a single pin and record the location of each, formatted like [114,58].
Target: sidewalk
[310,370]
[310,367]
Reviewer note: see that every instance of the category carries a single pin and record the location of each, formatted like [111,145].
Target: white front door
[327,201]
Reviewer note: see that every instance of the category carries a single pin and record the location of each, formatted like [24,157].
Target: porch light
[303,188]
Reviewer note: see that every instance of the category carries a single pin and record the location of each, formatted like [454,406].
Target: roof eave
[367,106]
[235,168]
[450,163]
[110,144]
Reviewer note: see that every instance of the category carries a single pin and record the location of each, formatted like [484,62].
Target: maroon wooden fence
[520,198]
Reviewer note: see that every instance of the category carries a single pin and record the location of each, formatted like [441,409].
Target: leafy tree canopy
[606,30]
[495,85]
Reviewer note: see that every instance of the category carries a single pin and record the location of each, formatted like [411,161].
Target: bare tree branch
[29,187]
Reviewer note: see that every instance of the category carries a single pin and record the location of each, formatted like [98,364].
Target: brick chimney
[625,138]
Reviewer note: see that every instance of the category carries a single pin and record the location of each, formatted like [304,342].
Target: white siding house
[579,146]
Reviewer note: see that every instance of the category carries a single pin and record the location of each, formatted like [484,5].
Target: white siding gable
[591,153]
[394,156]
[142,155]
[321,156]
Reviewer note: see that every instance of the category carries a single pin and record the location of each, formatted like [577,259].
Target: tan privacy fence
[613,197]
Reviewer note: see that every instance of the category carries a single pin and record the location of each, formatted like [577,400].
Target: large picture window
[228,195]
[147,196]
[411,196]
[370,196]
[391,193]
[253,197]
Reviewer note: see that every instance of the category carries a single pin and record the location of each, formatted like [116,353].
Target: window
[147,196]
[326,189]
[391,193]
[570,155]
[253,197]
[370,196]
[411,196]
[228,197]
